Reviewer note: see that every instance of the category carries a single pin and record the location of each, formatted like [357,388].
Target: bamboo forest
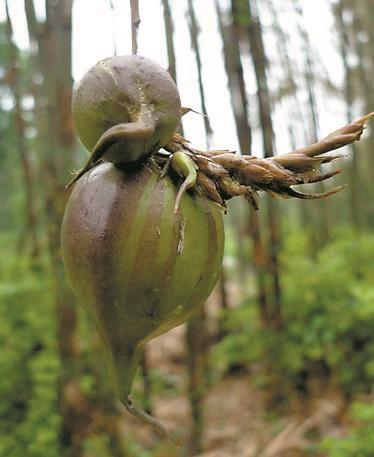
[187,228]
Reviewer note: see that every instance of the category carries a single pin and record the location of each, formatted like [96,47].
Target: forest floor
[235,420]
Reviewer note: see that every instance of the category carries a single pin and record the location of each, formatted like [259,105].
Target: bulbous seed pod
[131,92]
[138,267]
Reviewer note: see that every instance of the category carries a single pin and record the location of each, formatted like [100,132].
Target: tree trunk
[256,44]
[349,95]
[239,102]
[234,70]
[57,139]
[56,43]
[197,329]
[169,31]
[198,346]
[284,52]
[365,62]
[321,230]
[194,34]
[30,228]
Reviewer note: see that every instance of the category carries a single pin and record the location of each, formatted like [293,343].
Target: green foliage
[135,450]
[360,439]
[328,305]
[29,419]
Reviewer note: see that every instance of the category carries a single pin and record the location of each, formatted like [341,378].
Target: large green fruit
[138,267]
[133,93]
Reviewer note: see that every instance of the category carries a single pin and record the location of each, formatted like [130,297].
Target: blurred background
[281,360]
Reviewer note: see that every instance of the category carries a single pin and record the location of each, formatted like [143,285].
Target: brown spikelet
[223,174]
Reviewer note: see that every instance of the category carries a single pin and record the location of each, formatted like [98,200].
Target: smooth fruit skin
[131,90]
[138,267]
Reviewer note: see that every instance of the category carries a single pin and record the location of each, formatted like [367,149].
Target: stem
[169,29]
[135,21]
[113,25]
[145,417]
[184,166]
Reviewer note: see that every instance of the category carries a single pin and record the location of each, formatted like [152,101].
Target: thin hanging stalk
[111,5]
[169,31]
[135,21]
